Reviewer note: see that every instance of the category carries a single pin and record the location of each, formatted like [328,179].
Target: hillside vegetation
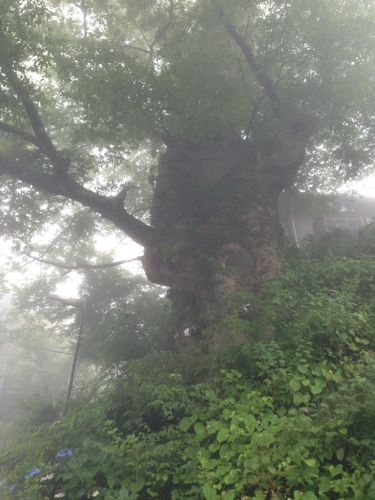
[289,415]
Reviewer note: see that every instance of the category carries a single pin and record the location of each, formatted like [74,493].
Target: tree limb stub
[119,199]
[65,186]
[251,60]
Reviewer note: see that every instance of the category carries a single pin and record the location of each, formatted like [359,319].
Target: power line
[52,350]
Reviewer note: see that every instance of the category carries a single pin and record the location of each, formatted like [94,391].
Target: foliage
[134,75]
[341,242]
[288,415]
[125,317]
[34,373]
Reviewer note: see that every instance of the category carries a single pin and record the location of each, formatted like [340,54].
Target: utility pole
[81,309]
[80,306]
[6,355]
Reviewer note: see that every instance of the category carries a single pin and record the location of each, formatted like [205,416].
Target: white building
[316,216]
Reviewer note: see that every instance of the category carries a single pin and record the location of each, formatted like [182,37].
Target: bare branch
[143,34]
[55,240]
[66,302]
[159,35]
[251,60]
[80,266]
[290,69]
[69,353]
[135,47]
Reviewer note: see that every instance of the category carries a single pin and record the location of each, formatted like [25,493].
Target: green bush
[289,415]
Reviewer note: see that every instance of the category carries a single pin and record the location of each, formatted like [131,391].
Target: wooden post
[81,311]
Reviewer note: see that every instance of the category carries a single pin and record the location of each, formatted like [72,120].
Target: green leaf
[226,452]
[213,447]
[318,386]
[185,424]
[310,462]
[209,492]
[335,470]
[136,487]
[222,435]
[250,423]
[325,484]
[298,398]
[309,495]
[326,374]
[229,495]
[337,377]
[295,385]
[200,431]
[340,454]
[302,368]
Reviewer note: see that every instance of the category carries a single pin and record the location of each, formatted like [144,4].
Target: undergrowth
[289,415]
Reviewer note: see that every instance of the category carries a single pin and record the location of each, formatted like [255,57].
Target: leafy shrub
[289,415]
[342,243]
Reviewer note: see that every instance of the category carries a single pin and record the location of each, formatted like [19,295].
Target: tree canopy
[83,85]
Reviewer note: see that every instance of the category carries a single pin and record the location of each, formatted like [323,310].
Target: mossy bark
[215,207]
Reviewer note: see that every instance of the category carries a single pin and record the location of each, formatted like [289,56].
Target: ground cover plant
[290,414]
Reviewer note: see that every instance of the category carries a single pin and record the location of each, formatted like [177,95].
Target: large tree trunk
[216,209]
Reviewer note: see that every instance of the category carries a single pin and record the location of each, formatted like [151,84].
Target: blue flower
[33,472]
[67,452]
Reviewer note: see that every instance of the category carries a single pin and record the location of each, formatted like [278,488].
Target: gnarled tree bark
[215,210]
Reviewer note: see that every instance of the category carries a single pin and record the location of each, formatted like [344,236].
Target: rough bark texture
[216,209]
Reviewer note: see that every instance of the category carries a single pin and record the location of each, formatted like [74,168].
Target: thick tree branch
[43,140]
[251,60]
[25,136]
[60,183]
[67,187]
